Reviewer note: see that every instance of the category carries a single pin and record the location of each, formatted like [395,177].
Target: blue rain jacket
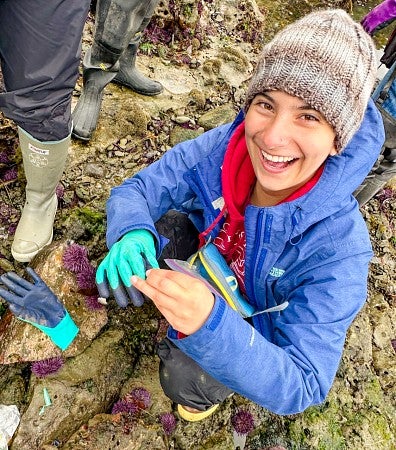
[313,252]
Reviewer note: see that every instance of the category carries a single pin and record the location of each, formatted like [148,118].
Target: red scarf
[238,179]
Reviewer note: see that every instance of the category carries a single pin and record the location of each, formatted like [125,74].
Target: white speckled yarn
[328,60]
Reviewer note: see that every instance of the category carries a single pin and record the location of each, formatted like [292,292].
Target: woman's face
[287,141]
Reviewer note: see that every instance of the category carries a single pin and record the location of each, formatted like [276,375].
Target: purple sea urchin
[91,302]
[140,397]
[243,422]
[386,194]
[133,402]
[75,258]
[123,406]
[12,228]
[60,191]
[47,366]
[168,421]
[4,159]
[10,174]
[86,278]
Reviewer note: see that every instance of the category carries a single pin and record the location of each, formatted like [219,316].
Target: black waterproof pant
[182,379]
[40,46]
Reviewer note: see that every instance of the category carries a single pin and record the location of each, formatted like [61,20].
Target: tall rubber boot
[116,24]
[43,163]
[383,171]
[129,76]
[385,167]
[86,113]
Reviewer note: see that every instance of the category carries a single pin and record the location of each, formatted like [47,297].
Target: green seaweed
[92,220]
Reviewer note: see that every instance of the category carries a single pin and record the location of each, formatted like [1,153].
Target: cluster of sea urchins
[137,400]
[75,259]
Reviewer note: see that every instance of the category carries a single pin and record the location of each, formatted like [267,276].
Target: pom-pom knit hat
[326,59]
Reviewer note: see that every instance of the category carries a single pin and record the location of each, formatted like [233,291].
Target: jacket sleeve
[164,185]
[297,368]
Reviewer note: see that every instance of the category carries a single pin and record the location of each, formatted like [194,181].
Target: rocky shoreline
[205,77]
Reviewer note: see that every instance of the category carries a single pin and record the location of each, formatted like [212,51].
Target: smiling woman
[273,192]
[288,141]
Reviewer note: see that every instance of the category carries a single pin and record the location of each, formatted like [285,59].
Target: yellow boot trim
[195,417]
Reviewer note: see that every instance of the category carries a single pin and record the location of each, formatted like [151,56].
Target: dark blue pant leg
[184,382]
[40,45]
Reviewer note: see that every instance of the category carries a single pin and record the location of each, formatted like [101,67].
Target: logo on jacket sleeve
[275,272]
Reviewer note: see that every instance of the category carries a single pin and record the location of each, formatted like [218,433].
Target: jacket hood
[342,174]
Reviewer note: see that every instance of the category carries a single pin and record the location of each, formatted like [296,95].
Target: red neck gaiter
[238,179]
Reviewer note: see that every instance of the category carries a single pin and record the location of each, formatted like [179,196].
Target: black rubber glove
[36,304]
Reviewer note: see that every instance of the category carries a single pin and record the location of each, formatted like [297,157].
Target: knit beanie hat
[326,59]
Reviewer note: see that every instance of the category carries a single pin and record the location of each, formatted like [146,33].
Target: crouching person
[273,193]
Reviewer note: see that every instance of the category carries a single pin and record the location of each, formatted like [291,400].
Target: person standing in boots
[384,96]
[40,51]
[119,25]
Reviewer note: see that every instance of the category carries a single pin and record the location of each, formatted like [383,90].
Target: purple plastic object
[379,17]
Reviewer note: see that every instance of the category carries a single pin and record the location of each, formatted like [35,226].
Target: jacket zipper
[204,195]
[260,255]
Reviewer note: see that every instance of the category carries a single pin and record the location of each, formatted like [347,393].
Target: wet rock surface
[21,342]
[205,74]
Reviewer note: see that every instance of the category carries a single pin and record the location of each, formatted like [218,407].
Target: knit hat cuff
[326,59]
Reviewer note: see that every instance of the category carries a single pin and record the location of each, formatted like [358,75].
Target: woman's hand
[184,301]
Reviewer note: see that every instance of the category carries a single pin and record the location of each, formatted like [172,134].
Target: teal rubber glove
[133,254]
[36,304]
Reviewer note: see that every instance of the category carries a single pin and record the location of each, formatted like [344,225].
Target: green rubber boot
[43,163]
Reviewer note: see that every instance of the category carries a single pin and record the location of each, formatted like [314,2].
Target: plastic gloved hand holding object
[133,254]
[36,304]
[380,17]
